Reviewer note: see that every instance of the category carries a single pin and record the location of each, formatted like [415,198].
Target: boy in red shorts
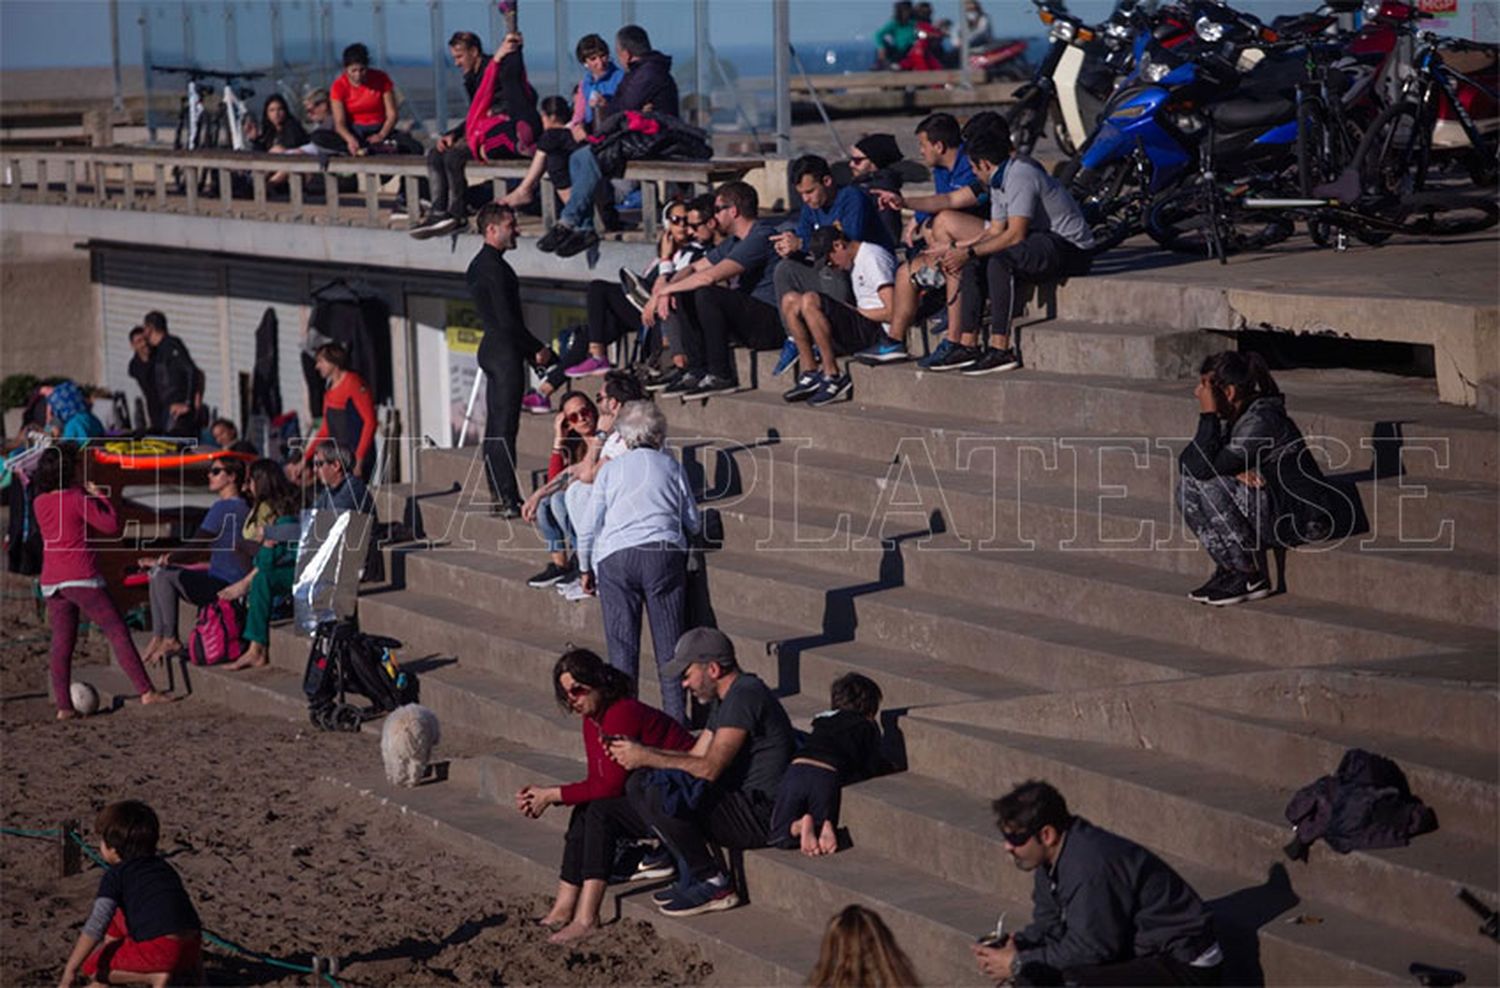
[151,932]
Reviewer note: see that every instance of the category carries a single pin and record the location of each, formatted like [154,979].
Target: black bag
[344,659]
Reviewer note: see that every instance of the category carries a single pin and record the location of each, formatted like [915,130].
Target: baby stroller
[345,660]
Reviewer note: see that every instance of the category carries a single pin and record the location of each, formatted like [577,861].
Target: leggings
[169,584]
[62,613]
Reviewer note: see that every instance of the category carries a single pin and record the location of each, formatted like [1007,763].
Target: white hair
[641,423]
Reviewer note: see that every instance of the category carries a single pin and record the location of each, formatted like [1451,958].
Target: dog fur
[406,742]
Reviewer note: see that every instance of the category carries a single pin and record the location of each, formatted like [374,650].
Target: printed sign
[1438,8]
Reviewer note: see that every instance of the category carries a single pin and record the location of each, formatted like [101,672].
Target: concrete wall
[48,308]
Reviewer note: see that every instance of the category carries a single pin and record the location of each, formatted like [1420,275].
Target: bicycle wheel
[1180,220]
[1393,155]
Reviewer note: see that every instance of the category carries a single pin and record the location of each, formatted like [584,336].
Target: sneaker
[507,510]
[567,585]
[832,389]
[551,575]
[702,897]
[637,292]
[808,383]
[553,237]
[787,359]
[435,225]
[949,356]
[576,242]
[886,351]
[994,360]
[686,381]
[1201,594]
[656,864]
[1238,588]
[576,592]
[536,403]
[711,385]
[593,365]
[663,896]
[665,379]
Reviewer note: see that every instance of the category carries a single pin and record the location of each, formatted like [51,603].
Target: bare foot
[168,648]
[828,840]
[553,919]
[255,656]
[68,715]
[152,654]
[155,697]
[809,836]
[571,932]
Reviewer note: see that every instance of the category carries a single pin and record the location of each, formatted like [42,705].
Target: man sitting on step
[730,776]
[1106,910]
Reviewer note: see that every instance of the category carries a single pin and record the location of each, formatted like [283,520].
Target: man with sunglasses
[1107,911]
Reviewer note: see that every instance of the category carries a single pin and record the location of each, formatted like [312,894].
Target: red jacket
[632,719]
[64,518]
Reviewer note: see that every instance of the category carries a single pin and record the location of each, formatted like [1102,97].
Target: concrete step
[1219,819]
[1108,349]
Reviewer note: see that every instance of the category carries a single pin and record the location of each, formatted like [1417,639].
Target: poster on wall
[462,334]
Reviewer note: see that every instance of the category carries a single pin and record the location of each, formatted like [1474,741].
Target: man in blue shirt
[601,77]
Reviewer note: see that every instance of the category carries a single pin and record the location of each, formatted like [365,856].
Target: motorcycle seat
[1242,114]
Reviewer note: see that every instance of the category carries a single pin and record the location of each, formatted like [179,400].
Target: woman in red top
[600,694]
[348,409]
[364,102]
[71,582]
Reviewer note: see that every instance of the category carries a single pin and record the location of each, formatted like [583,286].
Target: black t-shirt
[848,742]
[151,895]
[558,144]
[762,760]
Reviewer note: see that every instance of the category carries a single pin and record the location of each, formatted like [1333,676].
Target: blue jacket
[961,175]
[605,87]
[855,213]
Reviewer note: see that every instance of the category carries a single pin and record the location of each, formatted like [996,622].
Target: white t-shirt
[874,268]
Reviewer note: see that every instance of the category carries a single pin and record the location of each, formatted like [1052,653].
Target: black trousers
[1042,256]
[589,847]
[1153,970]
[445,172]
[717,316]
[733,820]
[610,315]
[505,384]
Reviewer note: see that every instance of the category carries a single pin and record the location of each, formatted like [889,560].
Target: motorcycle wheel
[1179,221]
[1109,203]
[1026,120]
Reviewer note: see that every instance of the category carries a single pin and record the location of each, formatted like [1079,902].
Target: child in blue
[844,747]
[150,931]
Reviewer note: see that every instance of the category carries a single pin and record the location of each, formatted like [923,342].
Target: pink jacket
[487,132]
[64,518]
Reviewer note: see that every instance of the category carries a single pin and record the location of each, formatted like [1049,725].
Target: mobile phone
[609,738]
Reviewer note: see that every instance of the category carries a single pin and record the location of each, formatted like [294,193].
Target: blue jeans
[583,169]
[553,522]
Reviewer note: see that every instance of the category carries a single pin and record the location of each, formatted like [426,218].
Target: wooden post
[413,200]
[190,173]
[130,185]
[101,194]
[549,202]
[70,181]
[226,190]
[41,180]
[294,184]
[159,177]
[331,196]
[372,198]
[69,854]
[258,184]
[650,209]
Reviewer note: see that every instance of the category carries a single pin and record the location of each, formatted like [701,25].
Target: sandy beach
[274,860]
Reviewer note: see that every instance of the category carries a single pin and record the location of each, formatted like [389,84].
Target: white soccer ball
[85,698]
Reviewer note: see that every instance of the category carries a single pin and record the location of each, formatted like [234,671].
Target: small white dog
[406,742]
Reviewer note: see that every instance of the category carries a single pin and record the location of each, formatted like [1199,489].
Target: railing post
[372,197]
[101,194]
[258,187]
[144,22]
[331,196]
[413,200]
[70,182]
[226,190]
[439,87]
[41,179]
[129,176]
[190,175]
[294,185]
[159,177]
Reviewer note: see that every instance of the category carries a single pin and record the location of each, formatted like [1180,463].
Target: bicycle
[201,128]
[1399,158]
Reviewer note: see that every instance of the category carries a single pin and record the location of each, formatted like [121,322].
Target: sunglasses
[677,220]
[578,689]
[579,416]
[856,159]
[324,463]
[720,207]
[1017,839]
[215,471]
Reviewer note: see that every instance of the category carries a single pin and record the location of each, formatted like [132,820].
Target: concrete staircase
[1002,555]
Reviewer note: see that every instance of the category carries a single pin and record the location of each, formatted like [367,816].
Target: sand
[274,860]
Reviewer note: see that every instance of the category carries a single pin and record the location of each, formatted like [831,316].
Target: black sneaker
[665,380]
[808,382]
[508,510]
[435,225]
[553,237]
[576,243]
[1238,588]
[686,381]
[1201,594]
[551,575]
[956,357]
[654,865]
[712,384]
[992,361]
[832,389]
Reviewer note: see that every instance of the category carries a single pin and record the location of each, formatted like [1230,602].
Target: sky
[57,33]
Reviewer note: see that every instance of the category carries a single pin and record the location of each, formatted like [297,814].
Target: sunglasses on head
[1017,839]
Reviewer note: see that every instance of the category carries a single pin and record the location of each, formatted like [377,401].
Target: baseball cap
[699,645]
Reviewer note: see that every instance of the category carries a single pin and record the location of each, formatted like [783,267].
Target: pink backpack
[216,635]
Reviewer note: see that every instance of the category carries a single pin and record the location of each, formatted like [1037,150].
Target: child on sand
[151,932]
[844,747]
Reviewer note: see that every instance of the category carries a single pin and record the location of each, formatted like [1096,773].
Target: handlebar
[196,73]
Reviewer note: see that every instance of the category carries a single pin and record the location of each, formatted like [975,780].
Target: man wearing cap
[873,165]
[741,754]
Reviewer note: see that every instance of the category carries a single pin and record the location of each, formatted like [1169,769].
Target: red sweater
[64,519]
[348,417]
[634,720]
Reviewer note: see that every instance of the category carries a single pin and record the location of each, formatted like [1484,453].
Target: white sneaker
[565,587]
[577,593]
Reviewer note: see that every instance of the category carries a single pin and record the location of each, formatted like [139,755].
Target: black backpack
[344,659]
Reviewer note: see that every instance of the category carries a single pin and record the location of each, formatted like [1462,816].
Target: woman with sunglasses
[275,562]
[172,582]
[599,695]
[546,508]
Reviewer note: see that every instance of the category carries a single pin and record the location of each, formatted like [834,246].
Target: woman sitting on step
[575,425]
[275,499]
[1248,482]
[600,695]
